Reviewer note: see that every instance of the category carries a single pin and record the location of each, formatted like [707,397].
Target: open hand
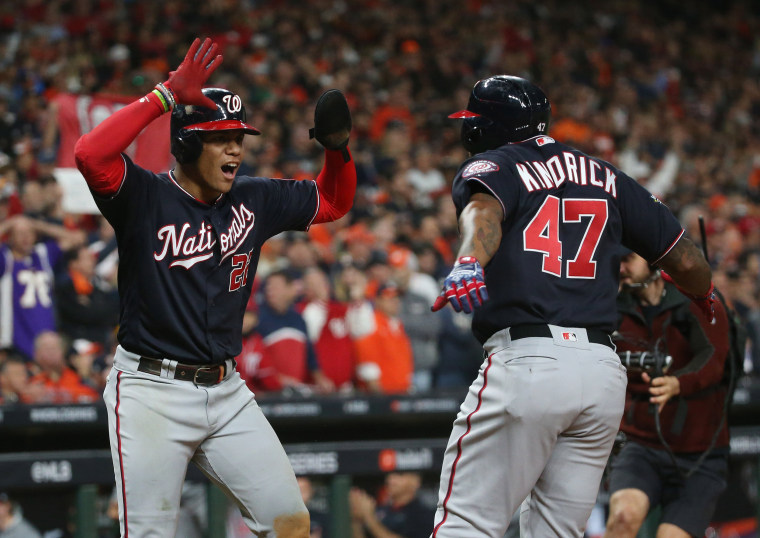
[188,79]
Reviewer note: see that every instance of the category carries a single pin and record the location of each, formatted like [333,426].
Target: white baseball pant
[537,426]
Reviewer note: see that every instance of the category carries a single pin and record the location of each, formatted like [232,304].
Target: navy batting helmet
[187,120]
[503,109]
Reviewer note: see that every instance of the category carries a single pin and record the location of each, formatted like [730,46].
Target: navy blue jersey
[186,267]
[565,215]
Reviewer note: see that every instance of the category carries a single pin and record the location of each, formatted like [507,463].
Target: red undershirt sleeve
[98,153]
[336,184]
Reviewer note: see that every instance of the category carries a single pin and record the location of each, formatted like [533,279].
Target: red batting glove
[186,81]
[464,288]
[704,302]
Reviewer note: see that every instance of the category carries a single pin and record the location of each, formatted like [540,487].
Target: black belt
[595,336]
[199,374]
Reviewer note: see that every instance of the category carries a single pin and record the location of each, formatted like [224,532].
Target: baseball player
[541,225]
[189,242]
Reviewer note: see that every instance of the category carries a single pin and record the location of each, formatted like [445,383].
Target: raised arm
[336,182]
[98,153]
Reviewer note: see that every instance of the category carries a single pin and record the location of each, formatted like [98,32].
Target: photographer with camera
[676,453]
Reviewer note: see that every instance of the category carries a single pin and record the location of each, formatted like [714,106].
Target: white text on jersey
[194,249]
[188,251]
[241,226]
[577,169]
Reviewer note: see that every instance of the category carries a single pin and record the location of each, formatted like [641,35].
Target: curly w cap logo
[479,167]
[233,102]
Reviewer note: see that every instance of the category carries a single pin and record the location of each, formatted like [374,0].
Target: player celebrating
[541,226]
[189,242]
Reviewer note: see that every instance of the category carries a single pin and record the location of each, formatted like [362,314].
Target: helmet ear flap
[186,146]
[480,134]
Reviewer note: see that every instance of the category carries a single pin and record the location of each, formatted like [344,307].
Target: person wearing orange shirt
[384,352]
[62,384]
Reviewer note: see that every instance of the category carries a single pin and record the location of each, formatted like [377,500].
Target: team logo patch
[655,198]
[479,167]
[542,140]
[570,337]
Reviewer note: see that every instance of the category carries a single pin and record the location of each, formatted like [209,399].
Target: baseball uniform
[539,421]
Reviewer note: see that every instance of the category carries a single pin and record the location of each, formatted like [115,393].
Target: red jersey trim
[459,447]
[316,211]
[670,247]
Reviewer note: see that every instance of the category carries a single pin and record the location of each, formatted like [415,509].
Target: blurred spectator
[249,360]
[62,384]
[383,350]
[272,256]
[405,272]
[426,180]
[422,326]
[402,515]
[103,244]
[300,252]
[91,362]
[288,358]
[327,324]
[12,522]
[26,279]
[87,306]
[320,519]
[14,382]
[459,353]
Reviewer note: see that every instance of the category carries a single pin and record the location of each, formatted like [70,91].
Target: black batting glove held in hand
[704,302]
[464,288]
[185,83]
[332,122]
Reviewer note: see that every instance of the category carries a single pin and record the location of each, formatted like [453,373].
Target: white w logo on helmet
[233,102]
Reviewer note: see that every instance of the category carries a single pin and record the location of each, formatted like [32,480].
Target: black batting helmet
[228,115]
[503,109]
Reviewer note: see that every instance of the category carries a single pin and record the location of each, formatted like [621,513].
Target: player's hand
[662,389]
[332,121]
[706,302]
[186,82]
[362,505]
[464,288]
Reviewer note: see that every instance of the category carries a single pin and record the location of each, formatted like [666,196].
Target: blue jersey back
[566,214]
[186,267]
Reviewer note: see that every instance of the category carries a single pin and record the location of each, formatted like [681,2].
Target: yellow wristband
[162,99]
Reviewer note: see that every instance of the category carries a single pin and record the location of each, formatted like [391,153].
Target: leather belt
[199,374]
[595,336]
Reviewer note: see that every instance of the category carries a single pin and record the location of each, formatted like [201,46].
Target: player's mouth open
[229,170]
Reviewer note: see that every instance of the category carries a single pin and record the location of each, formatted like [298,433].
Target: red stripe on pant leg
[459,447]
[121,459]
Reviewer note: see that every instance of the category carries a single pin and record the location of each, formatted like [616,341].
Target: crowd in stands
[670,93]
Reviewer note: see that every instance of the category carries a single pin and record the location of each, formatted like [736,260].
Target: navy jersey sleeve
[486,172]
[289,204]
[132,196]
[649,227]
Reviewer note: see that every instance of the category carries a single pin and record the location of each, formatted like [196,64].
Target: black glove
[332,122]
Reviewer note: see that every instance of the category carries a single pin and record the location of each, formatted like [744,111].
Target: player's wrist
[166,95]
[467,259]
